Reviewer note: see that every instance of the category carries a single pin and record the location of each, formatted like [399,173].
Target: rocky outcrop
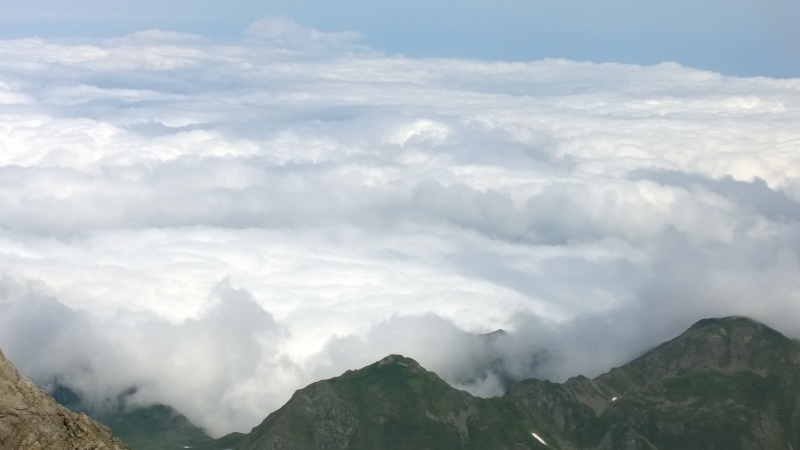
[31,420]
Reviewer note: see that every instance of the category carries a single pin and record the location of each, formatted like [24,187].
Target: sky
[734,37]
[218,214]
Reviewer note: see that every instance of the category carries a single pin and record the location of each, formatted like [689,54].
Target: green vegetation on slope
[727,383]
[156,427]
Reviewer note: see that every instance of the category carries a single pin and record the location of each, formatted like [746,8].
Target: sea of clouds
[220,223]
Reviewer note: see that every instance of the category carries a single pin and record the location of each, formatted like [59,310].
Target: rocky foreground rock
[31,420]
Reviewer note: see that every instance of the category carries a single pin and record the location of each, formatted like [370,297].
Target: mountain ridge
[716,385]
[731,383]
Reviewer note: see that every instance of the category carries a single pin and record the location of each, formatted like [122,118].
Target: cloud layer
[221,223]
[745,38]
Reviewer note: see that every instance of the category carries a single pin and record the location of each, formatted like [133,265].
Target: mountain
[393,403]
[729,383]
[153,427]
[31,420]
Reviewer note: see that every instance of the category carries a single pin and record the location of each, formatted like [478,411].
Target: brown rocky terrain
[31,420]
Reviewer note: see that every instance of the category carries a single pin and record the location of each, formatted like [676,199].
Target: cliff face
[31,420]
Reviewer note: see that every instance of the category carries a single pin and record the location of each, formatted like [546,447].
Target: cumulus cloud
[211,366]
[269,212]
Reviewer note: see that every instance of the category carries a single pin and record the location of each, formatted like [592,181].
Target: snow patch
[539,439]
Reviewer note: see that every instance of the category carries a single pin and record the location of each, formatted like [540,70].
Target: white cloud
[284,32]
[293,205]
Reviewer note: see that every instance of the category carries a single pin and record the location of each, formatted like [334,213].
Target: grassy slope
[731,383]
[156,427]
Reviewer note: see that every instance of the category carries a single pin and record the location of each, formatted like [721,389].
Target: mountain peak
[726,322]
[740,335]
[399,360]
[727,345]
[728,382]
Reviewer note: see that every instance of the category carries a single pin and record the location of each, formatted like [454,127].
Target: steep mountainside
[729,383]
[32,420]
[724,384]
[154,427]
[394,403]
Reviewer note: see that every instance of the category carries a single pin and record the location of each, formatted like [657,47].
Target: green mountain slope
[156,427]
[729,383]
[394,403]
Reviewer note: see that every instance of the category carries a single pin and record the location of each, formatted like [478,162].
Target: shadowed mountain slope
[152,427]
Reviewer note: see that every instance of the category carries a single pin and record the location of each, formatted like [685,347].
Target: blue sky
[739,37]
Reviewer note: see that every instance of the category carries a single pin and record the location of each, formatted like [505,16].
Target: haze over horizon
[195,213]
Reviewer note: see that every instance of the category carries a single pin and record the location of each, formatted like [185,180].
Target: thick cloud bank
[220,223]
